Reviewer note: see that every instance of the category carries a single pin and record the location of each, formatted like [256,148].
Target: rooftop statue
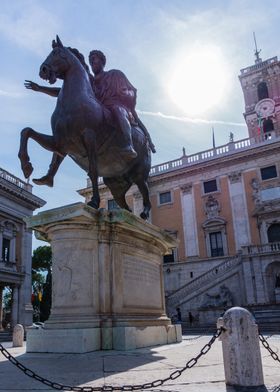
[95,123]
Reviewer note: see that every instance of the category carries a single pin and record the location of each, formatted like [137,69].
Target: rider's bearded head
[97,61]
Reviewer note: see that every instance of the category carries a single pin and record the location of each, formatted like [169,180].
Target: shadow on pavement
[90,369]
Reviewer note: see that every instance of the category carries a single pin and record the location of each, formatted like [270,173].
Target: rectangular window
[165,197]
[268,172]
[6,250]
[112,205]
[171,258]
[210,186]
[216,244]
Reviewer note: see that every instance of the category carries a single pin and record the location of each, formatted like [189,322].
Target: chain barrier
[275,389]
[269,349]
[107,388]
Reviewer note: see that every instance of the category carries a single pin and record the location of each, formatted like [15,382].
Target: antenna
[257,52]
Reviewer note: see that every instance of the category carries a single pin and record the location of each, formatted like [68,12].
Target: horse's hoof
[27,170]
[45,180]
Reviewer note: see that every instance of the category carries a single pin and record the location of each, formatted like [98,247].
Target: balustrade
[260,249]
[15,180]
[189,288]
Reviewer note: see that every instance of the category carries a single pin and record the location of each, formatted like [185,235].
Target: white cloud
[190,120]
[29,26]
[10,94]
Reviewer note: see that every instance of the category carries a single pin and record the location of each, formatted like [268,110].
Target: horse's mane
[80,57]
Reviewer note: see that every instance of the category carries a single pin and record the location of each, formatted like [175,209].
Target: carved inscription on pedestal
[141,283]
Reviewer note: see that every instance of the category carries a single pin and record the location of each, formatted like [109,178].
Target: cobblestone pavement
[133,367]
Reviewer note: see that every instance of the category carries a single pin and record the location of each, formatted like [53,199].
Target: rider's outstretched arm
[52,91]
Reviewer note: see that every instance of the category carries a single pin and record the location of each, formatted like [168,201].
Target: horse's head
[57,63]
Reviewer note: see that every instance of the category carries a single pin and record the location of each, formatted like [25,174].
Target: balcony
[272,247]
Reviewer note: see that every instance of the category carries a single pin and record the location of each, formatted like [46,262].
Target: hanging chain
[106,388]
[269,349]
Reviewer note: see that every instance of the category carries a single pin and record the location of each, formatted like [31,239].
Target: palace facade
[223,206]
[16,202]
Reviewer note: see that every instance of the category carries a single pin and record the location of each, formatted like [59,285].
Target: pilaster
[189,221]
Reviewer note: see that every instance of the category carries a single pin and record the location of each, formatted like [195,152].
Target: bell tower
[261,88]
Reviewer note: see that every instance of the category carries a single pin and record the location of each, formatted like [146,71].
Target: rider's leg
[144,129]
[121,118]
[147,134]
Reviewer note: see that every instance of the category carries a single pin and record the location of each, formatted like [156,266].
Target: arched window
[262,91]
[268,125]
[273,233]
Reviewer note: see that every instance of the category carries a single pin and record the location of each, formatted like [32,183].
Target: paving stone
[133,367]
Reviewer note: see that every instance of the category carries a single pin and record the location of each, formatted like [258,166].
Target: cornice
[18,194]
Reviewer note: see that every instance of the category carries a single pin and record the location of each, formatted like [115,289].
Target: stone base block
[129,338]
[63,340]
[92,339]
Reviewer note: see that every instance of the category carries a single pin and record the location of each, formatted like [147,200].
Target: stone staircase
[268,320]
[206,329]
[6,336]
[202,283]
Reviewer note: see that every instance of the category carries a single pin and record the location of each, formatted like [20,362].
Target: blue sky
[147,40]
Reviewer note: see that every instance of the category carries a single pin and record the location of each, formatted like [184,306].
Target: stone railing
[174,299]
[15,180]
[259,65]
[261,249]
[203,156]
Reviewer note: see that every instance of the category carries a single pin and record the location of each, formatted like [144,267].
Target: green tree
[41,282]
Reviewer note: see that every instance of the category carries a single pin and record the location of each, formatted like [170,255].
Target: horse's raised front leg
[53,168]
[45,141]
[90,146]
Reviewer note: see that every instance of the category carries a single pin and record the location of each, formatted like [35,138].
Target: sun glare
[199,81]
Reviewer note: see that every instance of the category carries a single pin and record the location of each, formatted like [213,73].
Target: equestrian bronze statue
[95,123]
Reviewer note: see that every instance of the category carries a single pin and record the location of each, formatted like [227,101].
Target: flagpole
[213,138]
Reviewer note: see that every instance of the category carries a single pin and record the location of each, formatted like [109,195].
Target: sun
[199,80]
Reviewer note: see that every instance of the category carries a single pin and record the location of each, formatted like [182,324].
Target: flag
[213,138]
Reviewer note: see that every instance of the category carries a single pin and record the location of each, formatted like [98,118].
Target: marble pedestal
[107,282]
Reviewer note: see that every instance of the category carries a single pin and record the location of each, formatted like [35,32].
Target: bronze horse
[81,130]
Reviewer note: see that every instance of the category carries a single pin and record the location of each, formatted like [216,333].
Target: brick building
[223,205]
